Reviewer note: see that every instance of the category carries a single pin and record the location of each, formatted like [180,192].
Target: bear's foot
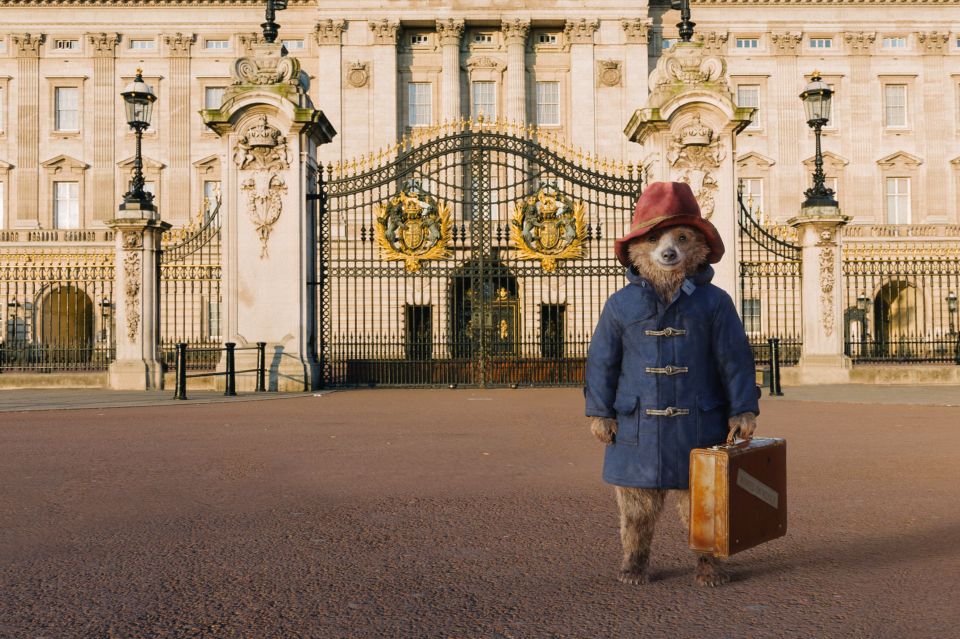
[633,576]
[708,573]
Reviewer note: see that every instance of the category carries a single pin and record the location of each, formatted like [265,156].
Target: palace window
[216,44]
[821,43]
[483,38]
[898,200]
[548,103]
[420,101]
[895,105]
[67,105]
[213,320]
[547,38]
[894,42]
[66,205]
[66,45]
[211,198]
[291,45]
[3,108]
[485,100]
[753,196]
[748,43]
[751,315]
[143,44]
[213,97]
[2,209]
[666,43]
[419,39]
[418,336]
[552,329]
[748,95]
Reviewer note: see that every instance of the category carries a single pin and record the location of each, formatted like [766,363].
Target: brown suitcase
[738,496]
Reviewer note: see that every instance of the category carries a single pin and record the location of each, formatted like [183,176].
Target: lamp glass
[138,98]
[816,99]
[952,302]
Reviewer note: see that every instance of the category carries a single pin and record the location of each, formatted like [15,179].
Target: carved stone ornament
[714,42]
[132,240]
[384,31]
[263,70]
[580,31]
[694,152]
[515,31]
[450,31]
[358,74]
[688,65]
[933,42]
[329,31]
[248,40]
[636,30]
[179,44]
[103,45]
[827,280]
[413,226]
[859,43]
[131,291]
[786,43]
[261,154]
[609,73]
[28,46]
[548,226]
[484,62]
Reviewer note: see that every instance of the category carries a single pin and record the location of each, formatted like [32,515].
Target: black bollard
[181,390]
[775,367]
[231,389]
[261,367]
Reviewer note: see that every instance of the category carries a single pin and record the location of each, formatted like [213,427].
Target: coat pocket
[628,421]
[711,419]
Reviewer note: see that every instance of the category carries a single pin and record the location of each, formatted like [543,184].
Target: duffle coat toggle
[668,395]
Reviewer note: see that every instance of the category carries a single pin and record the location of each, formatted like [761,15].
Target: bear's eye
[653,239]
[682,238]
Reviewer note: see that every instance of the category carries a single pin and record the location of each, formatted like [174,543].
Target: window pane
[293,44]
[485,100]
[748,95]
[753,195]
[548,103]
[2,215]
[66,205]
[213,97]
[2,107]
[751,315]
[895,104]
[67,101]
[420,104]
[898,200]
[211,198]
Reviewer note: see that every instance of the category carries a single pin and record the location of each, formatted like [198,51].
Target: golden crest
[414,226]
[548,226]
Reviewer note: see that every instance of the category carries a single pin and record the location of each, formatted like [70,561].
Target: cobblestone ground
[457,514]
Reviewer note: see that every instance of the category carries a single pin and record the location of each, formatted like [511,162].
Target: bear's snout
[669,255]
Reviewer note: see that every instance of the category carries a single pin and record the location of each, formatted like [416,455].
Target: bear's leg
[708,571]
[639,508]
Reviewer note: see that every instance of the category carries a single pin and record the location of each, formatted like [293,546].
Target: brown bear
[669,369]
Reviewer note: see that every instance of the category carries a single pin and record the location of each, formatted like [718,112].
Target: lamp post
[271,28]
[685,25]
[863,303]
[816,102]
[951,313]
[138,98]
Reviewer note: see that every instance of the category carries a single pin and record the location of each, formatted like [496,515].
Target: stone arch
[65,324]
[899,318]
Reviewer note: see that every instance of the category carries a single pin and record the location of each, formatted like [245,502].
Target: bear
[668,337]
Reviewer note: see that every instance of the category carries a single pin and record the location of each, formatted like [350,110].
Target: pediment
[484,62]
[900,158]
[64,163]
[755,159]
[5,166]
[829,159]
[149,164]
[956,161]
[208,162]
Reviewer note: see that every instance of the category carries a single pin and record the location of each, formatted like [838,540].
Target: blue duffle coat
[671,374]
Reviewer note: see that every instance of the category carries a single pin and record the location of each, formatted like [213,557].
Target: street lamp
[816,102]
[685,26]
[952,309]
[270,28]
[138,98]
[863,303]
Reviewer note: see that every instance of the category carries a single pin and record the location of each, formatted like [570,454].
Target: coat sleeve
[603,364]
[735,359]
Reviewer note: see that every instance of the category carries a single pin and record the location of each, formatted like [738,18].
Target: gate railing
[190,299]
[770,286]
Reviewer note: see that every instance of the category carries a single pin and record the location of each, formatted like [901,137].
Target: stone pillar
[515,93]
[137,301]
[329,36]
[270,134]
[582,117]
[791,130]
[450,32]
[27,169]
[385,129]
[822,360]
[178,184]
[636,71]
[688,133]
[860,177]
[935,193]
[104,47]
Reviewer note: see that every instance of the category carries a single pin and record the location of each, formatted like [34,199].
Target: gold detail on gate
[548,226]
[414,226]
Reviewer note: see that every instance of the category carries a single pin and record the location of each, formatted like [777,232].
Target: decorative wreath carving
[548,226]
[414,226]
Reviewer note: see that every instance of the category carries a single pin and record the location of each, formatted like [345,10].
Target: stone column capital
[636,30]
[384,31]
[825,222]
[515,31]
[329,31]
[859,42]
[714,42]
[786,43]
[450,31]
[28,45]
[179,44]
[103,45]
[933,42]
[580,31]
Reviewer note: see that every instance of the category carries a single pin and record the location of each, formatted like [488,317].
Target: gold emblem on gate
[548,226]
[413,226]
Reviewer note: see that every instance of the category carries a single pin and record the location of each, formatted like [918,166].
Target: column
[136,279]
[178,185]
[791,130]
[384,126]
[935,194]
[27,169]
[822,360]
[329,34]
[860,177]
[104,48]
[515,92]
[449,32]
[579,34]
[636,38]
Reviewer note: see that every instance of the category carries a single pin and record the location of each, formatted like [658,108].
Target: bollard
[775,367]
[181,384]
[261,367]
[231,389]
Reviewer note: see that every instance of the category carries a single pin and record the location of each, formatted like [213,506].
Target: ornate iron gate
[770,287]
[475,254]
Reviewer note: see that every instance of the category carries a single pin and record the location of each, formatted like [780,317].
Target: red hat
[666,204]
